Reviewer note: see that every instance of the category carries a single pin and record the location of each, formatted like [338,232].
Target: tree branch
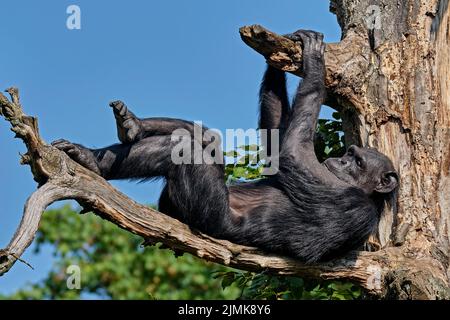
[280,52]
[28,227]
[345,61]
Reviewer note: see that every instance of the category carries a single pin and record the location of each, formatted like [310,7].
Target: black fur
[309,210]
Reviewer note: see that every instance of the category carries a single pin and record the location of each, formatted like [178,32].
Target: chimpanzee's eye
[359,162]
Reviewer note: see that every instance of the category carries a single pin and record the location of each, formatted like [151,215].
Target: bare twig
[21,260]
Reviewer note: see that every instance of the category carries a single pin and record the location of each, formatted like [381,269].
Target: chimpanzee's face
[364,168]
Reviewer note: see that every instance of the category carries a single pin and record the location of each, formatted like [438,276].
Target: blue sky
[180,59]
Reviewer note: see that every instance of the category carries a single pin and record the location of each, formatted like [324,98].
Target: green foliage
[329,140]
[246,164]
[263,286]
[114,265]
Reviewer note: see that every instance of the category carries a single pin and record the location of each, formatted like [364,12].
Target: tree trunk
[395,90]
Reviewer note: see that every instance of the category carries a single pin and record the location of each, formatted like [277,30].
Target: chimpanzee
[309,210]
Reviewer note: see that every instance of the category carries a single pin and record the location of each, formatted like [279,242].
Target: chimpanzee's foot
[78,153]
[128,125]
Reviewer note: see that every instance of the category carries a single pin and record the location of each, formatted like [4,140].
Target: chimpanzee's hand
[128,125]
[78,153]
[313,50]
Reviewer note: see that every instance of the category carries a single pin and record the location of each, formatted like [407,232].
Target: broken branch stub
[280,52]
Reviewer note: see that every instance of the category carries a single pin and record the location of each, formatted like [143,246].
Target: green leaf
[228,280]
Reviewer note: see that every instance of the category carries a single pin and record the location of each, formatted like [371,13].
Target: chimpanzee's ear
[388,182]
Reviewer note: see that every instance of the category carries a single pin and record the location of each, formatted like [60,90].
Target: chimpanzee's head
[365,168]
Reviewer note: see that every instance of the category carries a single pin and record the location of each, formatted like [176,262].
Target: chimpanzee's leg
[196,193]
[150,157]
[128,125]
[273,103]
[165,204]
[201,197]
[131,128]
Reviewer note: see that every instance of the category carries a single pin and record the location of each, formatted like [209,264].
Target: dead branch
[279,51]
[340,63]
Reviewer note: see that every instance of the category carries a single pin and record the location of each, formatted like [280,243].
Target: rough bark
[391,84]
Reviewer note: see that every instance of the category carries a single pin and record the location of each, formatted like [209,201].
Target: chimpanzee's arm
[298,142]
[273,100]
